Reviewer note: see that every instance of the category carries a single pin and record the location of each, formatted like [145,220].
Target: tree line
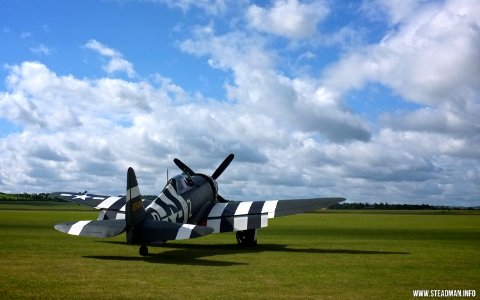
[354,205]
[387,206]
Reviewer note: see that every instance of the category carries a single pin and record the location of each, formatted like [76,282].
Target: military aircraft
[188,207]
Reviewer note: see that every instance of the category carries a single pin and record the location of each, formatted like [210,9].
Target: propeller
[215,174]
[185,169]
[222,166]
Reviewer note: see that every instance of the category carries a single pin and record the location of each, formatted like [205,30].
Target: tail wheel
[143,250]
[247,238]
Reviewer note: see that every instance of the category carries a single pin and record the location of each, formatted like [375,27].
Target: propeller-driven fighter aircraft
[188,207]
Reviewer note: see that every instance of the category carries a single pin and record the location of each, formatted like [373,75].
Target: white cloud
[298,104]
[431,59]
[288,18]
[41,50]
[396,11]
[116,61]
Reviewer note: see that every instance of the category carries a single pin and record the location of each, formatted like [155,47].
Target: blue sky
[371,100]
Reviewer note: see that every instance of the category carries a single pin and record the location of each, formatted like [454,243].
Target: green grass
[308,256]
[42,206]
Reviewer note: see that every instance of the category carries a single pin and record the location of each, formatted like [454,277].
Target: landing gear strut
[143,250]
[247,238]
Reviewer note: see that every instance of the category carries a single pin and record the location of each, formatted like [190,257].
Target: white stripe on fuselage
[158,210]
[173,211]
[183,203]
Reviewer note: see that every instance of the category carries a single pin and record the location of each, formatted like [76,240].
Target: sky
[373,100]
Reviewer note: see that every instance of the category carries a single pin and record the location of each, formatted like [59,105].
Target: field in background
[338,255]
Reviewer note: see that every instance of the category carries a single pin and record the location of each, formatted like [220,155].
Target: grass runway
[339,255]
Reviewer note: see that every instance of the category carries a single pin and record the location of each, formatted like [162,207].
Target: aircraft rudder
[134,209]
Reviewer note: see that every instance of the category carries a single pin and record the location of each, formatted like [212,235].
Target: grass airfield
[326,255]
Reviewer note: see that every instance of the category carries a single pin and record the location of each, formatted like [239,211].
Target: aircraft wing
[243,215]
[111,203]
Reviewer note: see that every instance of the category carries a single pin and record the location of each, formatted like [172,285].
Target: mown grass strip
[309,256]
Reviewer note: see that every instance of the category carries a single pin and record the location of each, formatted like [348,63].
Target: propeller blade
[183,167]
[222,166]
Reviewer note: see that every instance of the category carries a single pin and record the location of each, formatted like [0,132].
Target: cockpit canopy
[181,183]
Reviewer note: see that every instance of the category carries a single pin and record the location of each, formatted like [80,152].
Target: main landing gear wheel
[247,238]
[143,250]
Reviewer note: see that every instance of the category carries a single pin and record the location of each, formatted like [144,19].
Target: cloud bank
[293,134]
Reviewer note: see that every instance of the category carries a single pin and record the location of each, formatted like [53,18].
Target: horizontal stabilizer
[95,228]
[154,230]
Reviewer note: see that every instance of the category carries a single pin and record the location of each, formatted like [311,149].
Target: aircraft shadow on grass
[193,254]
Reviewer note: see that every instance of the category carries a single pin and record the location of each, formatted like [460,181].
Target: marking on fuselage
[171,206]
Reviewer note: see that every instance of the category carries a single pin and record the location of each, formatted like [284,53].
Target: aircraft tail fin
[134,209]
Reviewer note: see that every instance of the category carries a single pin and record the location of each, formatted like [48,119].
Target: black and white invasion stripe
[190,231]
[94,228]
[170,206]
[112,203]
[238,216]
[77,227]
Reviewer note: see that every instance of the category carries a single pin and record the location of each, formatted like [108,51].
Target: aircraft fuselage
[185,199]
